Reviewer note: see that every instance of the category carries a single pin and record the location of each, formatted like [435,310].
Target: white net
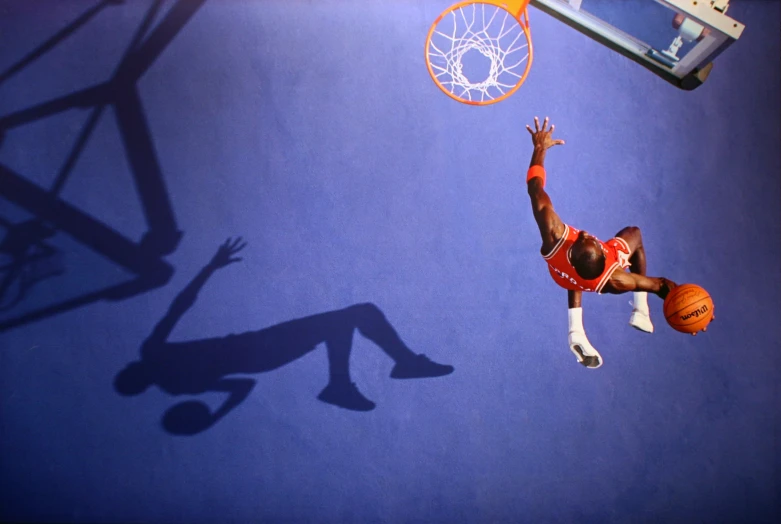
[478,52]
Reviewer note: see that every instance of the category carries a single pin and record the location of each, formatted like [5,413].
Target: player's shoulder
[556,236]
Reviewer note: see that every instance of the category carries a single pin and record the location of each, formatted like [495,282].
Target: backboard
[676,39]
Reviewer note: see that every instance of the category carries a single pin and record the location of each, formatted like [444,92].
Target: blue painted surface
[312,130]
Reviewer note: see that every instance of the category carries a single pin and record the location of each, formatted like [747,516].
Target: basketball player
[580,262]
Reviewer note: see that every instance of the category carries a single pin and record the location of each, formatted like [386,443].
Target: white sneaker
[584,351]
[642,321]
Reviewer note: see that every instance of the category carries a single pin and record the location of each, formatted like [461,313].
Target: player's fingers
[559,142]
[536,123]
[530,130]
[545,123]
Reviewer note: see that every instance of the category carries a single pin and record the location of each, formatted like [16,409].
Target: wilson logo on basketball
[696,313]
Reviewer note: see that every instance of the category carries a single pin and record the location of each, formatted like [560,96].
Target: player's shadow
[216,364]
[28,254]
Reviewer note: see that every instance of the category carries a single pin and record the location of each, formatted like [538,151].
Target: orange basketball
[688,308]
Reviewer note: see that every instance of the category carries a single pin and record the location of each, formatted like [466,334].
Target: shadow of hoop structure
[144,258]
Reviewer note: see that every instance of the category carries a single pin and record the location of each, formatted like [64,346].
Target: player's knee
[639,236]
[632,235]
[366,309]
[365,317]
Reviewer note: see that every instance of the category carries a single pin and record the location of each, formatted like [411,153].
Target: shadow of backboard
[41,231]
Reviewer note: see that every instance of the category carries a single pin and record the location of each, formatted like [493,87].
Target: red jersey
[616,253]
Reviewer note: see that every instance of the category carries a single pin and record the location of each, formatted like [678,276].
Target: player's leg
[634,238]
[641,316]
[372,324]
[578,341]
[341,391]
[370,321]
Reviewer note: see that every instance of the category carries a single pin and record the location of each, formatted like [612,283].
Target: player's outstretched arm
[623,282]
[186,298]
[550,225]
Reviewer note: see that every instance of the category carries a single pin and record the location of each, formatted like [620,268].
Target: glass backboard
[676,39]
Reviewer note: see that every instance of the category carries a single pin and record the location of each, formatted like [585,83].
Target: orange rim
[523,21]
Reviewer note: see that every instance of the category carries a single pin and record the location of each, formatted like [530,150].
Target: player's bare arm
[623,282]
[574,299]
[550,225]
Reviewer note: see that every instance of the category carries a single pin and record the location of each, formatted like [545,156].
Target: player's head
[587,257]
[134,379]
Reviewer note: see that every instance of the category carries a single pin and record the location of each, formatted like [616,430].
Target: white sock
[575,317]
[640,302]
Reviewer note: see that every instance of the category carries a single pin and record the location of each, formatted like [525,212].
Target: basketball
[688,308]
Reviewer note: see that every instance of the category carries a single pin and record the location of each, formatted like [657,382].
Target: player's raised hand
[542,138]
[225,254]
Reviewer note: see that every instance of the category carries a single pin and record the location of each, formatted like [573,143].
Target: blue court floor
[381,219]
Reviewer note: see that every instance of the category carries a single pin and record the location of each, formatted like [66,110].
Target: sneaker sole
[581,356]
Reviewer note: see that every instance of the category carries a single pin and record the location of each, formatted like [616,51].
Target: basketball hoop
[493,32]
